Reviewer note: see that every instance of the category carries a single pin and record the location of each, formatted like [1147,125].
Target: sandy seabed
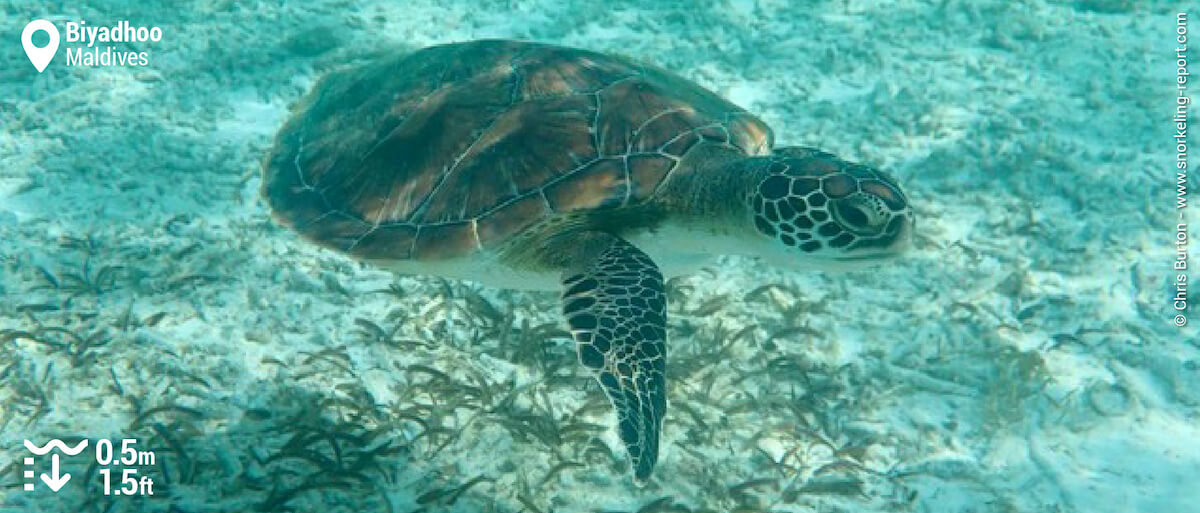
[1020,359]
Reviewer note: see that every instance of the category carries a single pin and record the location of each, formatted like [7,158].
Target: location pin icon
[40,57]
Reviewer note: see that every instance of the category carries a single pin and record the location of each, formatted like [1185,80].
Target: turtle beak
[904,238]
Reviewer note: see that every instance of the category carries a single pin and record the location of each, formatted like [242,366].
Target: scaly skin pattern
[617,313]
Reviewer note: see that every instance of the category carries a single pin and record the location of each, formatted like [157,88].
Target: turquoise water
[1020,356]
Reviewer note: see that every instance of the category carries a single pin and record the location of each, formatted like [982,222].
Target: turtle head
[821,211]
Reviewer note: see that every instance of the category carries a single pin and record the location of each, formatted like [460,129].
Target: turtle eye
[858,214]
[854,216]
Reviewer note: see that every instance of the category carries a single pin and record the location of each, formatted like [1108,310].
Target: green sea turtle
[536,166]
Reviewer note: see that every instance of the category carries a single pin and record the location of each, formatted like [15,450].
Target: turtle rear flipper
[614,303]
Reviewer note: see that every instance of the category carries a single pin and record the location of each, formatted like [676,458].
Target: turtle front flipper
[614,303]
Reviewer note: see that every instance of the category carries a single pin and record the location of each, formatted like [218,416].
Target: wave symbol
[55,444]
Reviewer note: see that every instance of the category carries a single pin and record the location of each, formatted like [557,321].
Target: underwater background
[1020,358]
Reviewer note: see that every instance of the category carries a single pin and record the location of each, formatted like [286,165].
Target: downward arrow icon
[53,480]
